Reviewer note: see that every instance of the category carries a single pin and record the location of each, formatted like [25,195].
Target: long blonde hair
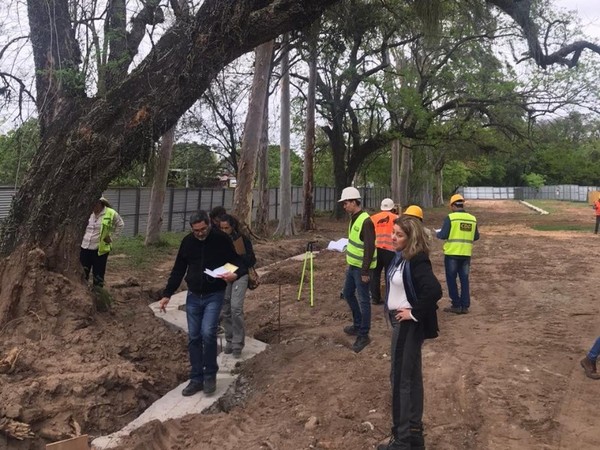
[416,237]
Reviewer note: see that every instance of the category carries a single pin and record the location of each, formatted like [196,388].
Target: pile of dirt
[505,376]
[67,369]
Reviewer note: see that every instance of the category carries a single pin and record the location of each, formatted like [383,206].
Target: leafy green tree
[534,180]
[17,148]
[194,165]
[296,167]
[456,174]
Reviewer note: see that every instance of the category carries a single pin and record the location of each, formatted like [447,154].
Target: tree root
[16,430]
[7,364]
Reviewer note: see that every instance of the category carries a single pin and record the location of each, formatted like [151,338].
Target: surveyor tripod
[308,255]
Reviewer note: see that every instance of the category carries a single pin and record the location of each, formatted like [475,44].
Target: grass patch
[131,253]
[102,299]
[554,206]
[562,227]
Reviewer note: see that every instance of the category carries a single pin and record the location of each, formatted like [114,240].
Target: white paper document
[338,246]
[216,273]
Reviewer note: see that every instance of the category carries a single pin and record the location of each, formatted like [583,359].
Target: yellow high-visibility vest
[105,230]
[355,251]
[462,234]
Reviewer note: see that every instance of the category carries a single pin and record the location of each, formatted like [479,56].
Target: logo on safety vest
[466,226]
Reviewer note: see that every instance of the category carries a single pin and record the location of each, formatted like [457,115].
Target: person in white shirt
[411,304]
[104,226]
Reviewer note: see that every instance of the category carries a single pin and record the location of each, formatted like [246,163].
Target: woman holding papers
[411,304]
[233,305]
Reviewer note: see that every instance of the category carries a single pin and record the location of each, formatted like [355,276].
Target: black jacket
[195,255]
[423,291]
[247,253]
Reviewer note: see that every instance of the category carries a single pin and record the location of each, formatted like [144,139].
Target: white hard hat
[387,204]
[349,193]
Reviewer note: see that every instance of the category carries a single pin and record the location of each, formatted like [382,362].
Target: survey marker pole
[308,255]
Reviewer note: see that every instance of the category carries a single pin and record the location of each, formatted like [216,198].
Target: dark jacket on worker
[243,247]
[423,290]
[195,255]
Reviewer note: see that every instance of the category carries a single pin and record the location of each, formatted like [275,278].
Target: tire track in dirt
[504,377]
[509,309]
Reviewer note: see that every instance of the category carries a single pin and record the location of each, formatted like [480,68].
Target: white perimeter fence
[132,203]
[180,203]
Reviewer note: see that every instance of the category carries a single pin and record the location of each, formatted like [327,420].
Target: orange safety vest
[384,224]
[597,207]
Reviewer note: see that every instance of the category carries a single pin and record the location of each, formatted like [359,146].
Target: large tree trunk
[396,192]
[262,211]
[159,187]
[438,191]
[405,169]
[308,220]
[86,142]
[286,221]
[242,200]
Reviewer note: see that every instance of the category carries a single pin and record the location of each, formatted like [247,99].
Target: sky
[12,23]
[589,13]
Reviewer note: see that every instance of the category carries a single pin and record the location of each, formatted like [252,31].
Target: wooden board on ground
[78,443]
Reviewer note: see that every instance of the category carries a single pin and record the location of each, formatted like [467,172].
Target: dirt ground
[505,376]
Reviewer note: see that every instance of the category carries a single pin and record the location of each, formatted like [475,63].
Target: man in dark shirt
[361,257]
[204,248]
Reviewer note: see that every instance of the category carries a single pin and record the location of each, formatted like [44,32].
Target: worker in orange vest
[384,224]
[597,209]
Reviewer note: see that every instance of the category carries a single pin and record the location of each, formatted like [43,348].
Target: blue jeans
[594,351]
[458,266]
[361,307]
[202,313]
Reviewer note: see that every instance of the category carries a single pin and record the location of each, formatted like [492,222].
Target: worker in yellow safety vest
[384,225]
[460,231]
[103,227]
[361,257]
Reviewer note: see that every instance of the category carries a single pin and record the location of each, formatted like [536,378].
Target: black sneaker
[210,385]
[192,388]
[351,330]
[237,353]
[228,349]
[360,343]
[464,310]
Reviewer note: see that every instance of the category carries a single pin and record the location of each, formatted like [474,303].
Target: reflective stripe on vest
[462,233]
[355,251]
[384,225]
[105,230]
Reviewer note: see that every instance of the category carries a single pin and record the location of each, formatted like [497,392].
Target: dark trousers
[597,224]
[384,259]
[202,313]
[458,266]
[407,379]
[92,262]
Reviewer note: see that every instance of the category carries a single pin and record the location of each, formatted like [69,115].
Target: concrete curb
[535,208]
[173,405]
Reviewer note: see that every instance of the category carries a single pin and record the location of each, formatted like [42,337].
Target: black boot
[417,440]
[395,444]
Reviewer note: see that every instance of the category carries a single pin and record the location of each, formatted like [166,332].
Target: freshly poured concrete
[173,405]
